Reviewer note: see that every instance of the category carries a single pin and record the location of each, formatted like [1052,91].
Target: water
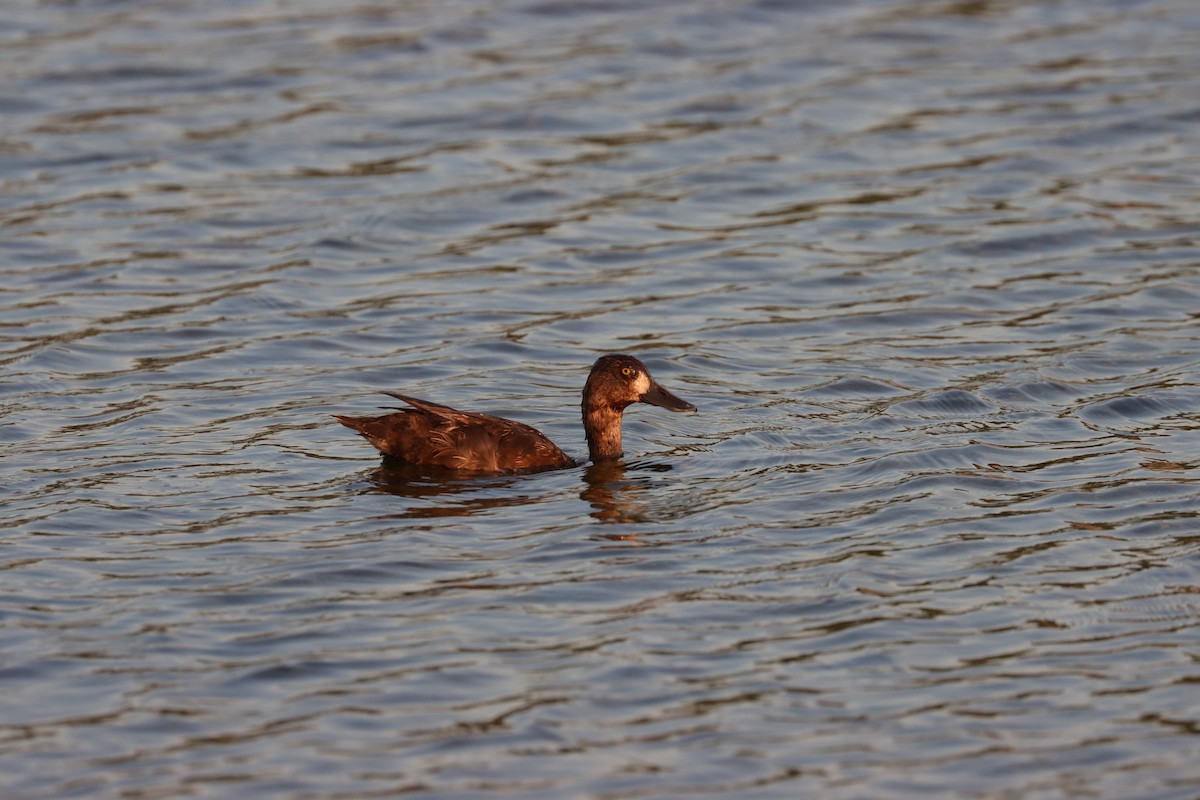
[927,268]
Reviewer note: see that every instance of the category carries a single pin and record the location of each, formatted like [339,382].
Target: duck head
[616,382]
[619,381]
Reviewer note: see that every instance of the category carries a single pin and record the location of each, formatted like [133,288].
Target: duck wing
[432,434]
[437,410]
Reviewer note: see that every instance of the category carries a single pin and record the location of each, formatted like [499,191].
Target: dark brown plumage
[433,435]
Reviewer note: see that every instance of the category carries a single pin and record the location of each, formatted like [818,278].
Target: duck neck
[602,425]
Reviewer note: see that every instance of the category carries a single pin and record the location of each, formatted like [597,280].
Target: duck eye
[628,372]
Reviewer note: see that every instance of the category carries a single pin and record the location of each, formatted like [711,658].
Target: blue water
[928,270]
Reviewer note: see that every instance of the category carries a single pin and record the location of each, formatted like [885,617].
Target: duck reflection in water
[613,495]
[607,488]
[437,436]
[450,493]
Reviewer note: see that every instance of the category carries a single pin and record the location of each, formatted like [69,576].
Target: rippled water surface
[928,268]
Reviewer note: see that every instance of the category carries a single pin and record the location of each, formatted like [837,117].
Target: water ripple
[927,269]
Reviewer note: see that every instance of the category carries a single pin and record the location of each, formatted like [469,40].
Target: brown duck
[433,435]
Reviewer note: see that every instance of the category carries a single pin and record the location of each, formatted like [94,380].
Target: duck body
[433,435]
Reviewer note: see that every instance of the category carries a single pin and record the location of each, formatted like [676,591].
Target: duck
[429,434]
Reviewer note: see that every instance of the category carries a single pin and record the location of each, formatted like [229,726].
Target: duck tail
[357,423]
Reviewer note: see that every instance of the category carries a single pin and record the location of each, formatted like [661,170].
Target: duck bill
[656,395]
